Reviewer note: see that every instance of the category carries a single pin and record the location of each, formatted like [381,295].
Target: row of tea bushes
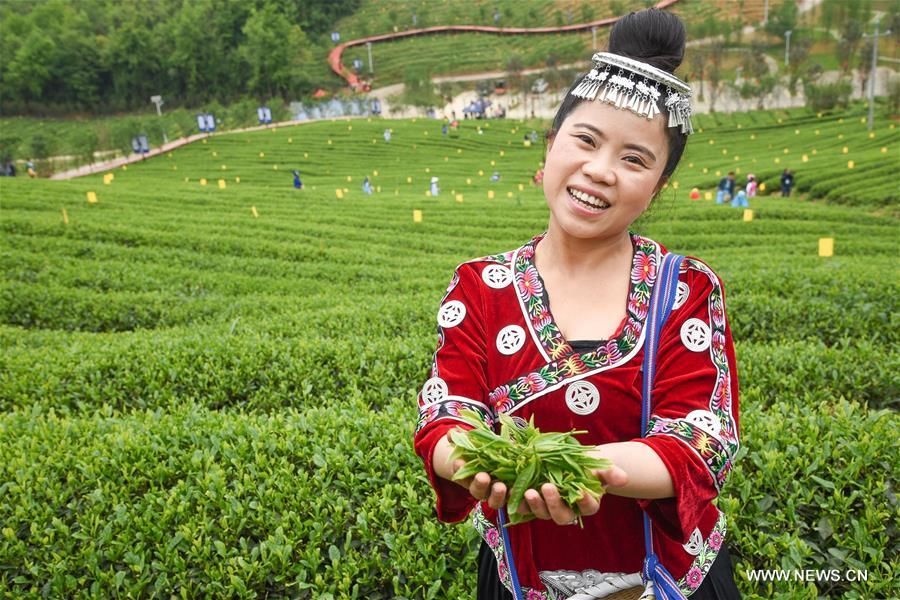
[330,500]
[264,372]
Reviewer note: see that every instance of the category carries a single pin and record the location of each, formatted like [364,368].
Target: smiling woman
[617,137]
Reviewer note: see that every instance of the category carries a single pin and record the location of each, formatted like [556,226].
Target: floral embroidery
[694,578]
[704,560]
[715,540]
[573,365]
[449,409]
[529,283]
[534,382]
[712,450]
[644,269]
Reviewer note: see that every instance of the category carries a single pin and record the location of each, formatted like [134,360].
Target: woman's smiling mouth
[587,200]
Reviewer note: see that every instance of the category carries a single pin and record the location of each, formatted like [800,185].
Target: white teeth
[591,201]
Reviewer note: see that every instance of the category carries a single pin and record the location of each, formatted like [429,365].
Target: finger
[535,504]
[559,510]
[498,495]
[588,505]
[480,486]
[613,476]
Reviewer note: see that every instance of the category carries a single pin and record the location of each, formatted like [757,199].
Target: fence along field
[199,401]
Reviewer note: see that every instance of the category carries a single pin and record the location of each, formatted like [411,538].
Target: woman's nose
[600,168]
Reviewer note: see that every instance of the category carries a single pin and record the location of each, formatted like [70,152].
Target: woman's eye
[585,138]
[635,160]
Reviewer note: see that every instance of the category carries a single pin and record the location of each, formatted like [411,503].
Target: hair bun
[653,36]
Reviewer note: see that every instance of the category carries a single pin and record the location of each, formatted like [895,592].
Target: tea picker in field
[298,185]
[787,183]
[367,186]
[435,189]
[752,185]
[556,331]
[725,191]
[740,200]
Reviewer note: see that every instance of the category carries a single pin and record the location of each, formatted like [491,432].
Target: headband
[635,85]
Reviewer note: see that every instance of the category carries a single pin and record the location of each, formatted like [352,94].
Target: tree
[85,142]
[515,80]
[851,35]
[758,81]
[697,62]
[799,53]
[41,146]
[714,70]
[29,70]
[418,89]
[275,52]
[782,20]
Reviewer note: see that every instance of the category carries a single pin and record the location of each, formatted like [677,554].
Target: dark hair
[652,36]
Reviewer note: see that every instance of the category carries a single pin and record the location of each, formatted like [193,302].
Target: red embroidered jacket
[499,350]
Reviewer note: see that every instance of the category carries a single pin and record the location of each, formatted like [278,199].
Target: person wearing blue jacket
[725,191]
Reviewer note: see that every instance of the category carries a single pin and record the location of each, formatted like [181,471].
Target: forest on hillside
[106,55]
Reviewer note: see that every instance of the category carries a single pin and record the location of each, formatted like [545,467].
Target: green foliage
[523,457]
[197,402]
[418,89]
[828,96]
[102,55]
[782,20]
[275,52]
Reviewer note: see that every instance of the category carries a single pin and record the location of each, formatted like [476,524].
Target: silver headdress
[635,85]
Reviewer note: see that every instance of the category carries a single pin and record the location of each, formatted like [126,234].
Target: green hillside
[199,400]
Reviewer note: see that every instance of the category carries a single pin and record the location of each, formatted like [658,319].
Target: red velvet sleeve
[694,424]
[458,381]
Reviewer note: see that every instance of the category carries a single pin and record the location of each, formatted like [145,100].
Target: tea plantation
[209,390]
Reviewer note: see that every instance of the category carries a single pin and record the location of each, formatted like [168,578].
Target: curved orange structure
[334,57]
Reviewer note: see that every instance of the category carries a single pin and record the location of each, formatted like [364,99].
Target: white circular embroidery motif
[582,397]
[695,544]
[695,335]
[497,276]
[434,390]
[706,421]
[510,339]
[681,294]
[451,314]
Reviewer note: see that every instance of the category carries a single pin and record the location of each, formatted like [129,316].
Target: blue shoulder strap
[661,302]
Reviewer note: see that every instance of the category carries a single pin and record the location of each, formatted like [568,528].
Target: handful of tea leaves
[524,458]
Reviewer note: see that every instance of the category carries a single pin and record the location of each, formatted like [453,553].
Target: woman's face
[603,167]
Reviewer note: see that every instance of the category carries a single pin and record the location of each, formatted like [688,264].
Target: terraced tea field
[210,389]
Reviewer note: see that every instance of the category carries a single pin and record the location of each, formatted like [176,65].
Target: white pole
[872,75]
[369,46]
[766,13]
[593,38]
[872,78]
